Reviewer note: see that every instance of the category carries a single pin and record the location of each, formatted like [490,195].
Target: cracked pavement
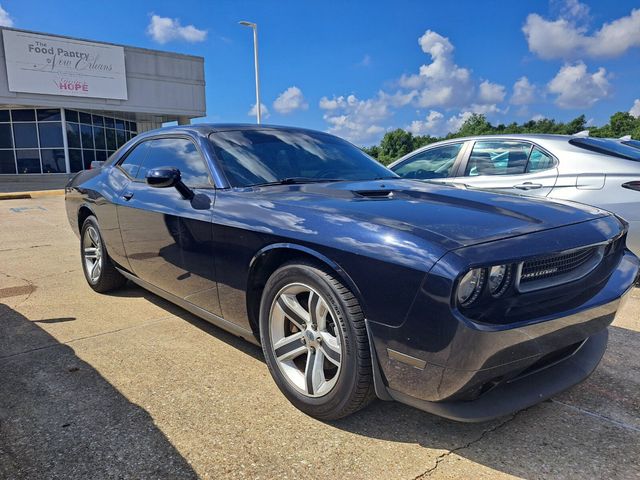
[129,386]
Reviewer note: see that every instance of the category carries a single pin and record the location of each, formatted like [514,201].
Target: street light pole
[255,59]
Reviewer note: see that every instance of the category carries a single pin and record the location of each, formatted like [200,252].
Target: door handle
[128,196]
[528,186]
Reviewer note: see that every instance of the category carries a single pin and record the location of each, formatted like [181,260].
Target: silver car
[595,171]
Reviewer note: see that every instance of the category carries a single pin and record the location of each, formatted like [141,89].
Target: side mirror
[163,177]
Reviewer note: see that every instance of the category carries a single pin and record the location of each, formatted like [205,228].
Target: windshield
[607,146]
[255,157]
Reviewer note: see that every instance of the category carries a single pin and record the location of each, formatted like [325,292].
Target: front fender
[344,276]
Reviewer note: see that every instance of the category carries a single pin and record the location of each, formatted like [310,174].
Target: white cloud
[575,87]
[332,104]
[5,18]
[438,83]
[566,38]
[435,124]
[355,119]
[538,117]
[635,109]
[398,99]
[290,100]
[490,93]
[431,125]
[165,29]
[572,9]
[441,82]
[454,123]
[264,111]
[524,92]
[485,108]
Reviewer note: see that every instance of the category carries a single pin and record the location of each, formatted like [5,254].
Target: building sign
[60,66]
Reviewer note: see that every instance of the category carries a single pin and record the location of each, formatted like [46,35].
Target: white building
[65,102]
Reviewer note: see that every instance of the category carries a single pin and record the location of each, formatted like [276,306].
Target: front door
[168,239]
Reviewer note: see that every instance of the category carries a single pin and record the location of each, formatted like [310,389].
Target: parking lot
[128,385]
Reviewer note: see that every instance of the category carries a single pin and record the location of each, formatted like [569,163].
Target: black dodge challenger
[357,283]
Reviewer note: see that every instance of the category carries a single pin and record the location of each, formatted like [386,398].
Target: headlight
[470,286]
[499,279]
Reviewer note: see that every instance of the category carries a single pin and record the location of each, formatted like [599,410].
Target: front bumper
[474,372]
[521,392]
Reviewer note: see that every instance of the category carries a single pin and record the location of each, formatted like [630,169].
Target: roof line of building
[131,47]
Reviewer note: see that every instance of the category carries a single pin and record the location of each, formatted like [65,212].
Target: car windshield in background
[607,147]
[258,157]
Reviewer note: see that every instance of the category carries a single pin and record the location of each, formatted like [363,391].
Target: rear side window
[498,158]
[436,162]
[538,161]
[632,143]
[179,153]
[607,146]
[134,159]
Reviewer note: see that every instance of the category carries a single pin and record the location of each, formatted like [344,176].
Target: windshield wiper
[295,181]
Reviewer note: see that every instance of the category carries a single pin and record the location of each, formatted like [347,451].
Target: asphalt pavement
[126,385]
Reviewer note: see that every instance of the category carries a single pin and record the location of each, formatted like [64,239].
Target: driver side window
[435,162]
[179,153]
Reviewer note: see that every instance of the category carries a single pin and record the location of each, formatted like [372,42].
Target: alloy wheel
[92,253]
[305,340]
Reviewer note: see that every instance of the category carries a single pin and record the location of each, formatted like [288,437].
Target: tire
[301,349]
[98,269]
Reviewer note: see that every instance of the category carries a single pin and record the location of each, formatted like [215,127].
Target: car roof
[207,128]
[534,137]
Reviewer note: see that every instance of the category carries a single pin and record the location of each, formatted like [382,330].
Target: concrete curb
[34,194]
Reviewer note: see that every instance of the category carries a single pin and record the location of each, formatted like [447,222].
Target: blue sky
[358,69]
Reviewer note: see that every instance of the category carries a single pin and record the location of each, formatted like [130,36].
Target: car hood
[452,216]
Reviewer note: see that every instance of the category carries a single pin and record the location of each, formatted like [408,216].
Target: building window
[6,139]
[73,135]
[53,160]
[98,137]
[26,135]
[28,161]
[50,134]
[75,160]
[7,162]
[32,139]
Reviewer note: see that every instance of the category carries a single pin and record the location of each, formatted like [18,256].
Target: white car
[596,171]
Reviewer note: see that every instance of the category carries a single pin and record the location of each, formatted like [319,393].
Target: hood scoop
[374,194]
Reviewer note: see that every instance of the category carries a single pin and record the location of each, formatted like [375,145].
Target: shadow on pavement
[59,418]
[548,440]
[134,291]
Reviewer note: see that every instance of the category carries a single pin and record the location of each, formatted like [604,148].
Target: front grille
[556,264]
[558,268]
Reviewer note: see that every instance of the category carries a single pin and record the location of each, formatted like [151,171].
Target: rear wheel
[315,342]
[99,272]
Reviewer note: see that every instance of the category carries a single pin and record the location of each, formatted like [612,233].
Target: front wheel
[99,272]
[315,342]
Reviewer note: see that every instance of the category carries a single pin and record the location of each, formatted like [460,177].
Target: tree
[394,145]
[422,140]
[576,125]
[476,124]
[623,123]
[373,150]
